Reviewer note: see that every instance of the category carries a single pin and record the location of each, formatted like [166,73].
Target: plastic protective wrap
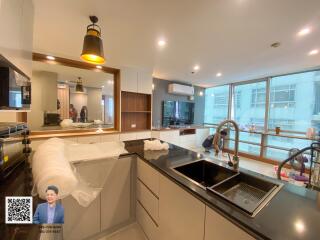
[76,169]
[155,145]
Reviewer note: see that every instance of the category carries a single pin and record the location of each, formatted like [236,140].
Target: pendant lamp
[92,51]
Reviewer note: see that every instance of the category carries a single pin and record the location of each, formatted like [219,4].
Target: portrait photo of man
[50,212]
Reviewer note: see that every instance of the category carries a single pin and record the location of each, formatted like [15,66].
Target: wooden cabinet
[217,227]
[135,111]
[181,216]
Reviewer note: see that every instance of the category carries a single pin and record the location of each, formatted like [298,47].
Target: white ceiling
[228,36]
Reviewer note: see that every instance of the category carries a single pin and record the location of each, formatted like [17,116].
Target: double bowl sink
[244,191]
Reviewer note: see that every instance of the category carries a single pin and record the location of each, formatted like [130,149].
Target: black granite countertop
[294,213]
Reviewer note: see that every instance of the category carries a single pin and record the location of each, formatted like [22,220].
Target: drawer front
[146,223]
[89,139]
[148,200]
[143,135]
[110,138]
[128,136]
[149,176]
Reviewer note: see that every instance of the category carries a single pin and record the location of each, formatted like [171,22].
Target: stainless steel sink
[247,192]
[244,191]
[204,173]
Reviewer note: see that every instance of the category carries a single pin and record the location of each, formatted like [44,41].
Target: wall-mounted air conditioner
[179,89]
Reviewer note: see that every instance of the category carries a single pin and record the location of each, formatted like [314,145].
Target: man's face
[51,196]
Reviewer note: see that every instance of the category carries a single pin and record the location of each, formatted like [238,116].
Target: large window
[294,101]
[293,104]
[249,105]
[216,104]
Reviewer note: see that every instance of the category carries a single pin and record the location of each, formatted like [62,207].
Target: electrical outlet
[133,125]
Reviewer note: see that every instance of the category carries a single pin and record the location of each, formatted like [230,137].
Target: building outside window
[246,112]
[216,104]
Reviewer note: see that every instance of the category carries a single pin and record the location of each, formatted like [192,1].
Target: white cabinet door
[181,216]
[148,175]
[80,222]
[116,196]
[128,136]
[144,135]
[188,141]
[110,137]
[89,139]
[145,82]
[129,79]
[217,227]
[171,136]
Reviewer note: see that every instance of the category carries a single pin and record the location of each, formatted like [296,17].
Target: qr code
[18,210]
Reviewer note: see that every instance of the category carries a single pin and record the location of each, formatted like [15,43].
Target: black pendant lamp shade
[79,86]
[92,51]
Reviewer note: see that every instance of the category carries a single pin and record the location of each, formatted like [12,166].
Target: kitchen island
[293,213]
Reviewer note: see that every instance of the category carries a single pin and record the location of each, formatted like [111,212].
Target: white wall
[43,97]
[94,103]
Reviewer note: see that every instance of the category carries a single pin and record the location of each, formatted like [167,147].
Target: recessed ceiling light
[219,74]
[314,52]
[162,43]
[275,44]
[102,86]
[99,67]
[51,58]
[200,93]
[196,67]
[304,31]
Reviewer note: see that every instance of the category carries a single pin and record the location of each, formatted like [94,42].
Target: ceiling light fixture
[79,86]
[92,51]
[50,58]
[99,67]
[196,67]
[219,74]
[313,52]
[304,32]
[162,43]
[201,93]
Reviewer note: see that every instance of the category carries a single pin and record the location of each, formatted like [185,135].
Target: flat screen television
[177,113]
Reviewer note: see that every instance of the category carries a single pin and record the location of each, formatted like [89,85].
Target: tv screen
[177,113]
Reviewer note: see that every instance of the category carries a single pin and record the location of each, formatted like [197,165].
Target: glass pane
[245,136]
[216,104]
[249,105]
[295,101]
[286,144]
[246,148]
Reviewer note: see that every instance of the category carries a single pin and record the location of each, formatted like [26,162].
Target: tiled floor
[131,232]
